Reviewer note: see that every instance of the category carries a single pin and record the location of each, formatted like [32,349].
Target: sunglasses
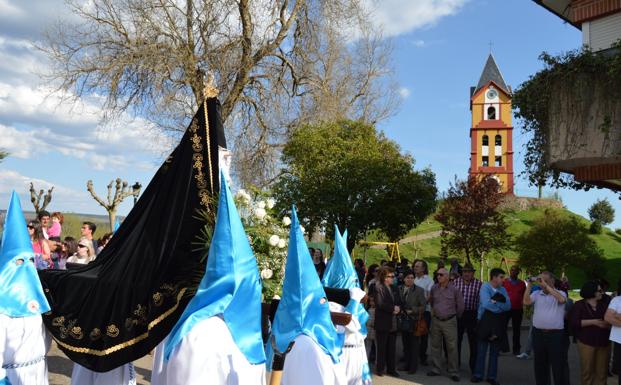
[82,245]
[30,226]
[441,274]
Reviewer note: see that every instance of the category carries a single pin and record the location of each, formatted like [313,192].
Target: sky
[440,48]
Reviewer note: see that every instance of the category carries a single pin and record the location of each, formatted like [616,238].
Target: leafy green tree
[347,173]
[555,242]
[471,220]
[601,214]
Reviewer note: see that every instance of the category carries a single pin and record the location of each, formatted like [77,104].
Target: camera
[533,279]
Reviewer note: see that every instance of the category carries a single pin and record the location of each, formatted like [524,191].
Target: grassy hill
[519,221]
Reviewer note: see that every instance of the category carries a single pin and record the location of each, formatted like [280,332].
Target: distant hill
[520,221]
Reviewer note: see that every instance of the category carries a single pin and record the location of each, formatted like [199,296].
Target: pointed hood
[340,272]
[21,294]
[231,286]
[304,307]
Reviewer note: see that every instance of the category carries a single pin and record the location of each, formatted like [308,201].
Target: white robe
[307,364]
[123,375]
[23,346]
[354,356]
[206,355]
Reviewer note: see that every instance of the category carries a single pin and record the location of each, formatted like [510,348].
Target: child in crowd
[56,228]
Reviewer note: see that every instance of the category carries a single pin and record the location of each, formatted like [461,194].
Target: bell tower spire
[491,131]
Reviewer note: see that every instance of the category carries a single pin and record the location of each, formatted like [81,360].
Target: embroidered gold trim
[112,331]
[208,140]
[128,343]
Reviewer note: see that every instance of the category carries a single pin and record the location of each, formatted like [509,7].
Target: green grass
[519,222]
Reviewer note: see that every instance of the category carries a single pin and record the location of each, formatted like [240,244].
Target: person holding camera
[548,329]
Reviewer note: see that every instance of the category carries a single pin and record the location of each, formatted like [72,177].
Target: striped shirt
[470,291]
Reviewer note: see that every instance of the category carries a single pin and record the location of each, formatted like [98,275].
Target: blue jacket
[485,300]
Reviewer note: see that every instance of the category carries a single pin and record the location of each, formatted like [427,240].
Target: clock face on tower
[492,94]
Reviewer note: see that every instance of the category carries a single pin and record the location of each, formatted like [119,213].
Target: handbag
[421,328]
[404,322]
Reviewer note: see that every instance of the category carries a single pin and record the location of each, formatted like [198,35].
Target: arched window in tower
[485,140]
[498,140]
[491,113]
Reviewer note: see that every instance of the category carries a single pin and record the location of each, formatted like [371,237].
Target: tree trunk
[540,191]
[112,217]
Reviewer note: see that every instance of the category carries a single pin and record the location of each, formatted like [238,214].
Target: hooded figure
[23,342]
[218,337]
[340,274]
[303,317]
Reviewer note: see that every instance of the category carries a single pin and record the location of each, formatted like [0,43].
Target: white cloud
[404,92]
[397,17]
[419,43]
[8,9]
[68,199]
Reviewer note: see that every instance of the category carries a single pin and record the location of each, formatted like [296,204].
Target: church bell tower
[491,132]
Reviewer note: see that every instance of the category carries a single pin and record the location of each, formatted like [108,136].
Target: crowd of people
[434,312]
[53,251]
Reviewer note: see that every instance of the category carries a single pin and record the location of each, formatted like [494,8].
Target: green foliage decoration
[533,98]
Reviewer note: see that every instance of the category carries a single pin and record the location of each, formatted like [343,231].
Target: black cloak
[120,306]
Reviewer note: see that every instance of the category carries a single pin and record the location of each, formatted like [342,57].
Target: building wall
[602,33]
[585,10]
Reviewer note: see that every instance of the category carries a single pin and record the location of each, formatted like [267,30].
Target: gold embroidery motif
[58,321]
[208,143]
[112,331]
[95,334]
[76,332]
[131,342]
[158,299]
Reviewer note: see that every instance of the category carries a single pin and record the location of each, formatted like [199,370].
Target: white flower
[282,243]
[243,195]
[276,296]
[260,213]
[274,239]
[286,221]
[261,204]
[266,274]
[271,202]
[33,306]
[303,229]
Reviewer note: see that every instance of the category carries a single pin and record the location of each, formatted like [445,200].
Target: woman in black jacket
[386,307]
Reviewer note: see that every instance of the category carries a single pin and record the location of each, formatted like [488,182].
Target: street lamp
[136,191]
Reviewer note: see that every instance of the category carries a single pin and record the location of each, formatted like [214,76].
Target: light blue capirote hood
[21,294]
[231,286]
[340,272]
[303,308]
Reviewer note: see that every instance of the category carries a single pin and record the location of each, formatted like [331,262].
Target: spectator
[370,279]
[422,280]
[613,317]
[369,342]
[516,288]
[40,245]
[456,268]
[85,254]
[44,218]
[360,271]
[55,229]
[320,264]
[386,308]
[592,334]
[470,288]
[103,241]
[548,330]
[413,300]
[88,231]
[402,267]
[435,273]
[492,330]
[447,303]
[69,248]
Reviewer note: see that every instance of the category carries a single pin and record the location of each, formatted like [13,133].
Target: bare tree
[150,57]
[121,191]
[35,198]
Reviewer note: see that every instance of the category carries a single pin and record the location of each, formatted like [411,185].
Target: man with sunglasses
[447,303]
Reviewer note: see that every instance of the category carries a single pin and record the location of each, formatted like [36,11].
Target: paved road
[511,371]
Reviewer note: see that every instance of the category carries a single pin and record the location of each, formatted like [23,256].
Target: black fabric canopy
[119,307]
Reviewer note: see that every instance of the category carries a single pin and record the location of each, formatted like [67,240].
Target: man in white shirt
[548,330]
